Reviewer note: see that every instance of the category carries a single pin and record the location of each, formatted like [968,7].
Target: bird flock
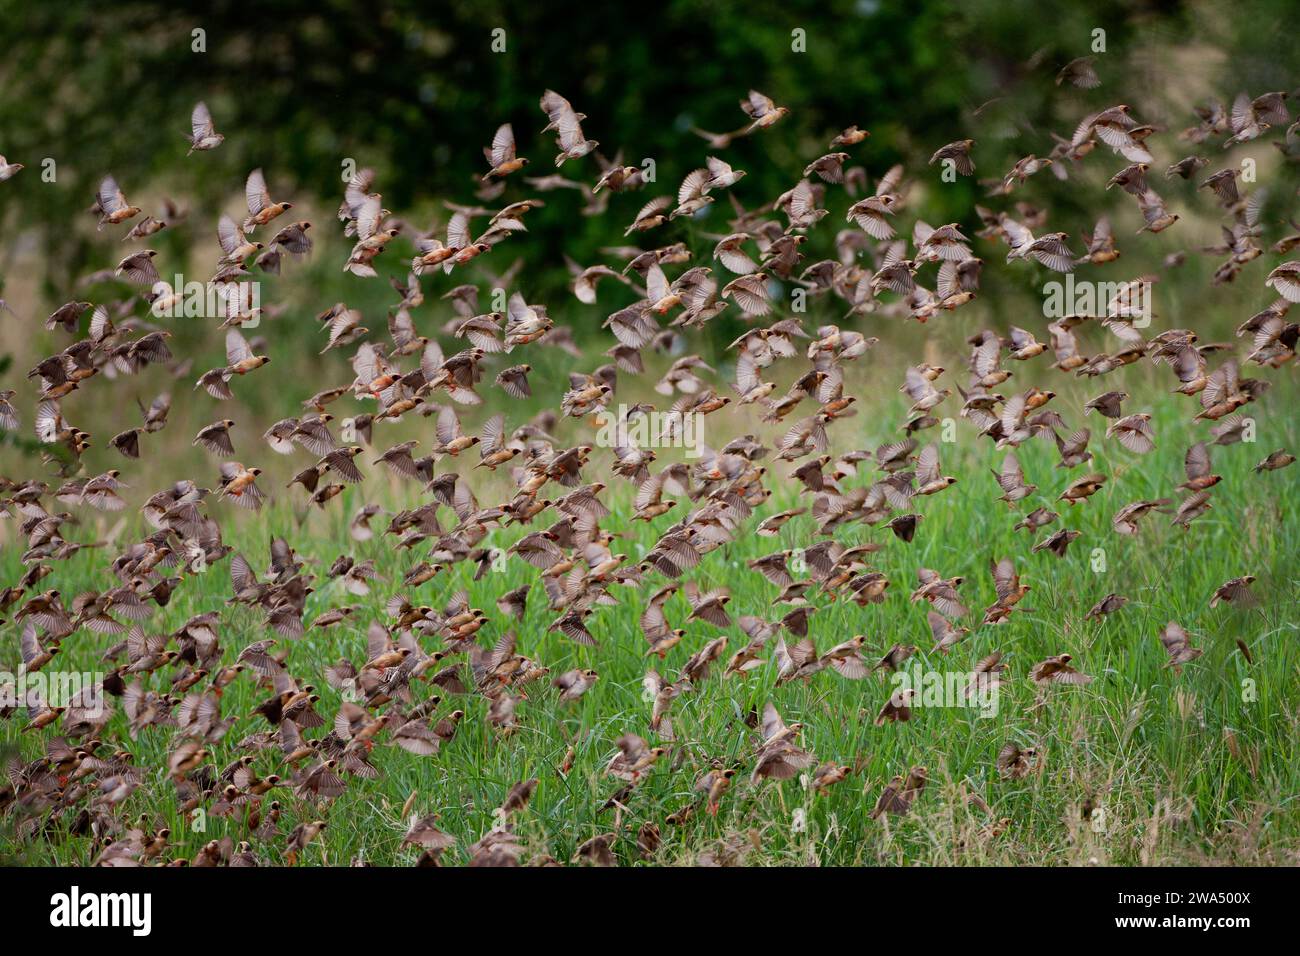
[424,657]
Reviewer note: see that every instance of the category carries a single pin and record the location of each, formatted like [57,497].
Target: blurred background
[416,91]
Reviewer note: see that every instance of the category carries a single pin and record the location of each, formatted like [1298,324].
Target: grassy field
[1184,768]
[1120,142]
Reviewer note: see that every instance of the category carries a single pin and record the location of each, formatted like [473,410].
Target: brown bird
[850,136]
[1057,543]
[1107,404]
[946,636]
[566,123]
[261,208]
[1007,583]
[958,153]
[1011,478]
[1016,762]
[1108,605]
[1236,591]
[762,111]
[1083,488]
[1275,460]
[237,484]
[203,135]
[1057,670]
[501,154]
[898,707]
[827,775]
[900,793]
[1080,72]
[894,657]
[493,450]
[574,683]
[111,205]
[715,784]
[1178,646]
[9,170]
[215,438]
[1133,432]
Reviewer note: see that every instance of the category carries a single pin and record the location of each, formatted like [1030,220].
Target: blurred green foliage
[415,91]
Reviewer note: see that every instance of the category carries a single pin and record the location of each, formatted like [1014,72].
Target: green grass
[1143,743]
